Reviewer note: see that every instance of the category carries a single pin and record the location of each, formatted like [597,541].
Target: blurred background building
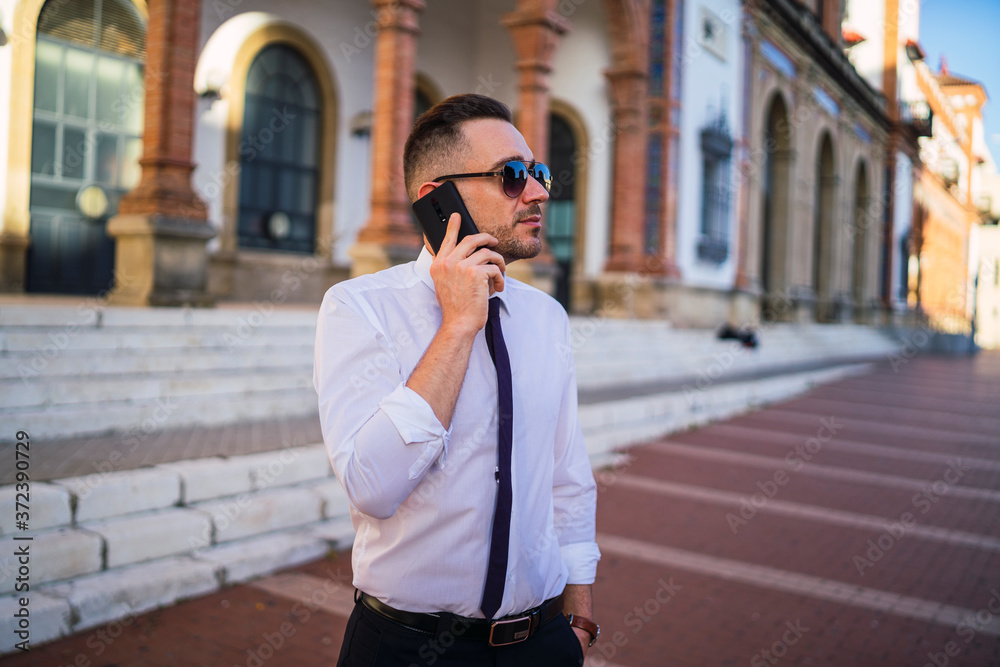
[714,160]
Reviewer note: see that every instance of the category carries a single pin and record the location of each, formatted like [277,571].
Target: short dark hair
[437,134]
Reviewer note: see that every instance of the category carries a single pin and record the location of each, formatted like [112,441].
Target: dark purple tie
[496,574]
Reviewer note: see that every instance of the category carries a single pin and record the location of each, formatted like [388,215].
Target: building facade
[949,204]
[714,160]
[815,178]
[988,287]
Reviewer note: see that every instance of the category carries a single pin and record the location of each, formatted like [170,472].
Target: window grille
[716,149]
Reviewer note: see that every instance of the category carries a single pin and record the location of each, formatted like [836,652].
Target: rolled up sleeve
[382,437]
[416,424]
[581,561]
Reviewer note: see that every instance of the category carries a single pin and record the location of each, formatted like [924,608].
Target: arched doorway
[822,260]
[774,238]
[86,139]
[859,236]
[561,211]
[280,153]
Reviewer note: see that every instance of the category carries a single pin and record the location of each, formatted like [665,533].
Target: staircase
[71,372]
[113,543]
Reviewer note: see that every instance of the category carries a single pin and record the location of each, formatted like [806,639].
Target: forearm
[439,375]
[577,600]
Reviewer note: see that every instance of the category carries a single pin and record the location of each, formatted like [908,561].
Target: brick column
[535,31]
[628,90]
[390,235]
[161,228]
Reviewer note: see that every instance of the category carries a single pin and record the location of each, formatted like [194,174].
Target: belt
[507,630]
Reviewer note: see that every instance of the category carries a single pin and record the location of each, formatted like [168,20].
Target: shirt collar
[423,270]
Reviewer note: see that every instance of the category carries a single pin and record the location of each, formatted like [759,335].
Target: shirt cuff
[416,423]
[581,561]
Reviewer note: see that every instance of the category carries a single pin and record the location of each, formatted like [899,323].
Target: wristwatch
[587,625]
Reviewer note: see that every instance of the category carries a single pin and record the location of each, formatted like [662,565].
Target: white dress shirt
[422,497]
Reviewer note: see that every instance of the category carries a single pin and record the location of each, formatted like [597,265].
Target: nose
[534,191]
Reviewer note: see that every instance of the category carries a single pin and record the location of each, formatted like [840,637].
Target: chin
[530,250]
[521,250]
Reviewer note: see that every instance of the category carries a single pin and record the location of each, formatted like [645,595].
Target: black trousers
[371,640]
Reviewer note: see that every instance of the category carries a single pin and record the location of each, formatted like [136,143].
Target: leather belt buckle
[517,629]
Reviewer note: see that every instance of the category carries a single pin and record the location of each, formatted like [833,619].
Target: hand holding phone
[435,208]
[465,270]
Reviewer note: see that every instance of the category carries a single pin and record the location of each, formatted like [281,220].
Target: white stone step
[80,421]
[37,366]
[29,341]
[146,536]
[117,596]
[125,592]
[254,557]
[48,618]
[131,541]
[49,506]
[104,390]
[90,313]
[338,533]
[611,425]
[59,553]
[682,354]
[265,511]
[88,370]
[103,495]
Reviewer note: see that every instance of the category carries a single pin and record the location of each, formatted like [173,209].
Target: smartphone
[435,208]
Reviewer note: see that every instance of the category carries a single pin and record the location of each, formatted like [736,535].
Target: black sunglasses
[515,176]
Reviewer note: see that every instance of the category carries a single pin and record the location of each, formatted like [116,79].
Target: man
[410,395]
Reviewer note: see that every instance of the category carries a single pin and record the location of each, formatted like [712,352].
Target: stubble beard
[513,248]
[513,244]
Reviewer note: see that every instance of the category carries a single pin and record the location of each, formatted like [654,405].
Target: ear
[426,187]
[423,190]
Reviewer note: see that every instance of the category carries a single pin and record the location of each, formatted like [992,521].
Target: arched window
[280,153]
[776,185]
[859,234]
[86,139]
[560,229]
[823,231]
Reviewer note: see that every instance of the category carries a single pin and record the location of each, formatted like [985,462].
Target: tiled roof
[949,79]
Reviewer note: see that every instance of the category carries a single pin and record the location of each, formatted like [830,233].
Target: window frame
[253,162]
[312,52]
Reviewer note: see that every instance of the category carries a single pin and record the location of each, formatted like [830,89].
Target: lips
[531,221]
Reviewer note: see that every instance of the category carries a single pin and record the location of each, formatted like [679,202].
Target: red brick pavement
[943,510]
[657,610]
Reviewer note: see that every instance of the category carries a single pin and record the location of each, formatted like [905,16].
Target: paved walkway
[857,525]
